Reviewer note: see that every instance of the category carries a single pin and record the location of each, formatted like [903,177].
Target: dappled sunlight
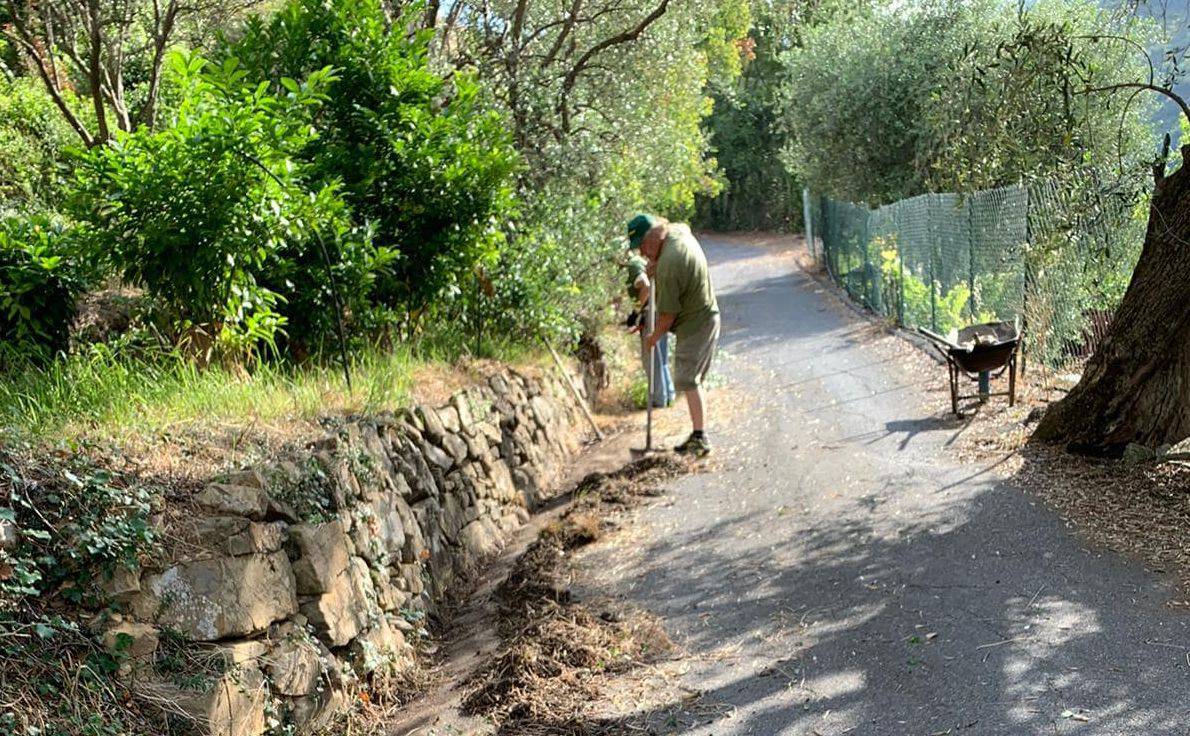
[832,579]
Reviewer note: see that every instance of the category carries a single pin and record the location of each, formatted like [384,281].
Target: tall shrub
[420,157]
[201,212]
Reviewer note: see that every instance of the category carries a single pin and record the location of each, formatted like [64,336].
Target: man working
[638,321]
[686,306]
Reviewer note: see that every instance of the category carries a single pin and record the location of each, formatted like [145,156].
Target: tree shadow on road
[974,617]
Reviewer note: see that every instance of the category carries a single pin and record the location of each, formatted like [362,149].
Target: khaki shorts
[693,356]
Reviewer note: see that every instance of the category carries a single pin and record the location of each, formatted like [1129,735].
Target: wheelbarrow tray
[976,350]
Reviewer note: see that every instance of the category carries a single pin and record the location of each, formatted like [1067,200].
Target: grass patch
[106,394]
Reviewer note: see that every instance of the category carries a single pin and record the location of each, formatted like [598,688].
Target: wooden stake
[573,389]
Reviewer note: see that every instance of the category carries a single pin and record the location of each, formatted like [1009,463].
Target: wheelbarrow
[981,353]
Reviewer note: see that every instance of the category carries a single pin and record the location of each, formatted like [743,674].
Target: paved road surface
[847,574]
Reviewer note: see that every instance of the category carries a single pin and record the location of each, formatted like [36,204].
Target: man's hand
[664,322]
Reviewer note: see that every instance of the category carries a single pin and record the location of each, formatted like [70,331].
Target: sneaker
[696,446]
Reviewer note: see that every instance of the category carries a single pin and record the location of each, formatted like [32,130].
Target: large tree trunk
[1136,387]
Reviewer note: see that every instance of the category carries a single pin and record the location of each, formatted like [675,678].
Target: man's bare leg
[694,403]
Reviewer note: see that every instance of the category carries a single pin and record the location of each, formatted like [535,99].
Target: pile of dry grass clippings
[557,652]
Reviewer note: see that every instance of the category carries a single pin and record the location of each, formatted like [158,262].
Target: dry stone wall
[297,579]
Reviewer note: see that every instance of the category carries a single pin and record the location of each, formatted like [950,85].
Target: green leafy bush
[421,158]
[759,194]
[35,142]
[39,283]
[202,212]
[886,102]
[911,296]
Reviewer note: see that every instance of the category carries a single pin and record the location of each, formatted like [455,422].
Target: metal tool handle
[652,322]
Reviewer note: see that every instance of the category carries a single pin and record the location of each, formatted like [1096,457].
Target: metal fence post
[971,303]
[931,228]
[809,221]
[828,248]
[901,272]
[867,265]
[1025,279]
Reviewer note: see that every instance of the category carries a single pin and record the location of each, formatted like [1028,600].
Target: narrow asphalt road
[844,573]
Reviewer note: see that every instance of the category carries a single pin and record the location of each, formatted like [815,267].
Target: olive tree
[888,102]
[605,101]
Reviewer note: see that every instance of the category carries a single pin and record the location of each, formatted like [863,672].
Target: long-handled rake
[651,321]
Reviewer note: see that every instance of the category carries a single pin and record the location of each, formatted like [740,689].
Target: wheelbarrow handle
[939,339]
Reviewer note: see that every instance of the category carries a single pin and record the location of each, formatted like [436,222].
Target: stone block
[378,530]
[453,517]
[257,538]
[322,556]
[462,406]
[294,665]
[503,486]
[477,447]
[233,706]
[415,542]
[526,483]
[456,447]
[543,413]
[134,641]
[121,584]
[388,595]
[490,431]
[8,532]
[375,448]
[247,653]
[313,713]
[437,457]
[250,478]
[340,481]
[449,416]
[382,648]
[340,614]
[234,500]
[481,539]
[213,599]
[431,423]
[411,578]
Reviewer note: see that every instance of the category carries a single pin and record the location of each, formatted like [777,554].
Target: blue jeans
[663,385]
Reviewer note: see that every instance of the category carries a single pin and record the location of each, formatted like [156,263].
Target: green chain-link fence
[1056,255]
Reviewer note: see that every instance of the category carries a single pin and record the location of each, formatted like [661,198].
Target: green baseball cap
[637,227]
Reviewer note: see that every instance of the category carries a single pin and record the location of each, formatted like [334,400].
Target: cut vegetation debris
[557,653]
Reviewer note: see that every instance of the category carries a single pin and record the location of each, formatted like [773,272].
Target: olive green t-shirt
[636,268]
[684,285]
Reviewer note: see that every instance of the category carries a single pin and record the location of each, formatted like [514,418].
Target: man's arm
[642,290]
[665,320]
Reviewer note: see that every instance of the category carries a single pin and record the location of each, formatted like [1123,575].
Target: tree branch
[164,27]
[627,36]
[25,40]
[94,71]
[1159,165]
[567,27]
[1181,103]
[1132,42]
